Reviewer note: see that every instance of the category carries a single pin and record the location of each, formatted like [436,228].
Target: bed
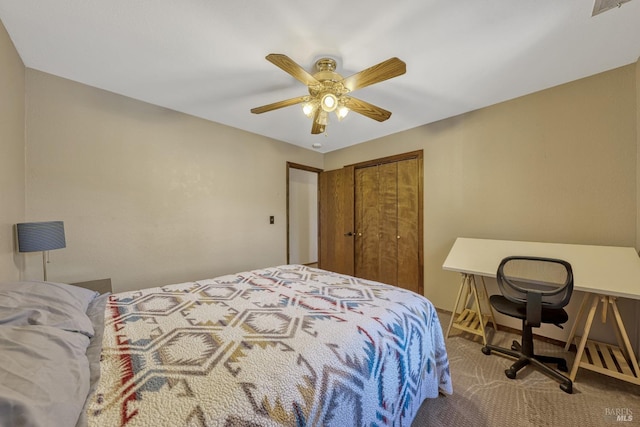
[281,346]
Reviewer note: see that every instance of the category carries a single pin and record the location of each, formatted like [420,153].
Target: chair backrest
[551,278]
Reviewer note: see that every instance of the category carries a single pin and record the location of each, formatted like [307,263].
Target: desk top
[607,270]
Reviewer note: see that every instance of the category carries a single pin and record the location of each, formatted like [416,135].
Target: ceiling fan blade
[316,127]
[288,65]
[366,109]
[385,70]
[279,104]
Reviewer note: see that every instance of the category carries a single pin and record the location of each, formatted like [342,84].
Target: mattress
[288,345]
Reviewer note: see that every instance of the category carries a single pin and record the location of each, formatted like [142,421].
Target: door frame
[292,165]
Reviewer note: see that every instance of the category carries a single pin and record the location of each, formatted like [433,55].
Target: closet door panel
[367,259]
[388,225]
[408,225]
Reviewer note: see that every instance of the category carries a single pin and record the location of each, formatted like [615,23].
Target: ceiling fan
[329,91]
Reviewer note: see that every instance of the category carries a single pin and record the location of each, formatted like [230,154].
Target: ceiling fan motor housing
[330,82]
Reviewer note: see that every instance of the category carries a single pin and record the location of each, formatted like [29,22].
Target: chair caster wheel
[486,350]
[510,373]
[567,388]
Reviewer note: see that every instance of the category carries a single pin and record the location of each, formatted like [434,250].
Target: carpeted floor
[484,396]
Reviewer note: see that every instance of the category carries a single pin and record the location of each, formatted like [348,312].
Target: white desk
[604,273]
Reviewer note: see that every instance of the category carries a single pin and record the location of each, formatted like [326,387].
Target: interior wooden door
[388,225]
[376,223]
[381,200]
[367,223]
[388,222]
[409,226]
[336,226]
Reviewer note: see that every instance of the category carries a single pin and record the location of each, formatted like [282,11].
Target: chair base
[538,361]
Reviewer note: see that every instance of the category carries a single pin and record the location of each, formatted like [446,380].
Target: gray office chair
[535,290]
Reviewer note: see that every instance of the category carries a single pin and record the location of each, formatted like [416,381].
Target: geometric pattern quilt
[282,346]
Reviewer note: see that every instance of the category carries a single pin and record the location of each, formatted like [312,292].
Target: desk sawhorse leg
[618,362]
[471,318]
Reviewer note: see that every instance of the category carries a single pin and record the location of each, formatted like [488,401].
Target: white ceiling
[206,57]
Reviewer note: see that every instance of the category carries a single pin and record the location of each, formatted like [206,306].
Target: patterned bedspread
[282,346]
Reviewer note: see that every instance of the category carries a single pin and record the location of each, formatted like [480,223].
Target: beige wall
[638,157]
[12,160]
[150,196]
[636,307]
[556,166]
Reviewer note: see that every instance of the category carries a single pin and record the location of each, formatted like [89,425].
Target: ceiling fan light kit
[328,90]
[329,102]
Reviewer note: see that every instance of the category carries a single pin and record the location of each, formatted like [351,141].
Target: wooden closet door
[367,219]
[388,223]
[387,218]
[409,263]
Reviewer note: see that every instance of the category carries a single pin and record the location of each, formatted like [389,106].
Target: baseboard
[519,332]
